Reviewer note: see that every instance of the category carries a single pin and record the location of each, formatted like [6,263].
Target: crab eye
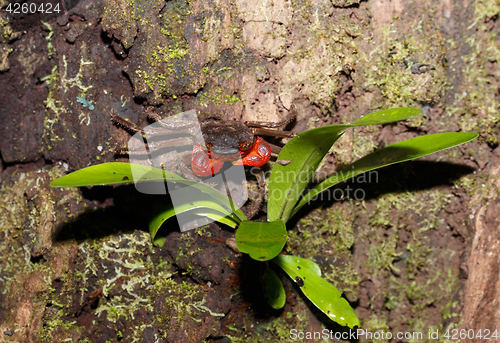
[208,145]
[245,146]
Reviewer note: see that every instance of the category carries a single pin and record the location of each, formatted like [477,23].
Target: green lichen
[420,251]
[76,81]
[382,253]
[7,35]
[418,203]
[376,324]
[403,69]
[315,63]
[383,250]
[56,327]
[132,284]
[29,205]
[166,58]
[121,16]
[125,279]
[476,106]
[275,330]
[426,279]
[440,288]
[54,108]
[485,9]
[52,105]
[13,210]
[217,98]
[186,301]
[50,46]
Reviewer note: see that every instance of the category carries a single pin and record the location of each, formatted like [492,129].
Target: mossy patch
[323,49]
[30,212]
[7,35]
[59,83]
[476,106]
[405,259]
[326,237]
[13,209]
[402,70]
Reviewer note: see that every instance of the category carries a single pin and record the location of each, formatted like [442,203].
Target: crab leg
[152,146]
[264,128]
[275,149]
[166,129]
[176,125]
[175,142]
[275,133]
[182,128]
[126,124]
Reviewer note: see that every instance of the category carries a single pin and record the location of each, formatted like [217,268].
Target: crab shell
[228,141]
[226,138]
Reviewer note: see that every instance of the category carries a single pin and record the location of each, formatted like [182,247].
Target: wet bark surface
[418,252]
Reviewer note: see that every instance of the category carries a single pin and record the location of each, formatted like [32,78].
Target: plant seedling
[207,145]
[264,241]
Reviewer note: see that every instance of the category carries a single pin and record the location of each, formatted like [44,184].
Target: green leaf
[217,216]
[112,173]
[305,152]
[118,173]
[287,182]
[204,208]
[159,241]
[387,116]
[321,293]
[161,215]
[273,289]
[392,154]
[309,265]
[166,213]
[261,240]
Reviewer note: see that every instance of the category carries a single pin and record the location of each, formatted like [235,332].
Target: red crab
[224,141]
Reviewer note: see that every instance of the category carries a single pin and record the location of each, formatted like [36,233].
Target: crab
[218,142]
[223,141]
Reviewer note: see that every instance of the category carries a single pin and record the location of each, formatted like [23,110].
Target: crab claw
[259,154]
[202,164]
